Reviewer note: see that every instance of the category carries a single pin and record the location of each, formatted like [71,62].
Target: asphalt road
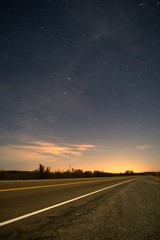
[127,211]
[18,198]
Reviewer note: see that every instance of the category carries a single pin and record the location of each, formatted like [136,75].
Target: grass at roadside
[157,178]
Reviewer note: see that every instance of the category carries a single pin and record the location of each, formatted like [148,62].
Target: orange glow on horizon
[83,156]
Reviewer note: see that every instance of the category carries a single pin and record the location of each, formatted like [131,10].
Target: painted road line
[62,203]
[48,186]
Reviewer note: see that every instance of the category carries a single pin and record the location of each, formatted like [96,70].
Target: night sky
[80,85]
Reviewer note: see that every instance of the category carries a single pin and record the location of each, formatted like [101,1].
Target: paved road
[18,198]
[127,211]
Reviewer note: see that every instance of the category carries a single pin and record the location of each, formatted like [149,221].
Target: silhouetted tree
[129,172]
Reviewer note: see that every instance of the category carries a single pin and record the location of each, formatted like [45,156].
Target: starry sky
[80,85]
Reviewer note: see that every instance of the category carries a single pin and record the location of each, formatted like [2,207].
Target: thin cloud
[143,147]
[49,149]
[83,147]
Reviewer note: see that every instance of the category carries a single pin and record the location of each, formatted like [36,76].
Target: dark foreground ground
[128,212]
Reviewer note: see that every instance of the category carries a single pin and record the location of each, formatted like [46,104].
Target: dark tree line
[45,173]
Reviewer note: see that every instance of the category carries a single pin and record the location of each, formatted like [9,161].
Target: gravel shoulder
[130,211]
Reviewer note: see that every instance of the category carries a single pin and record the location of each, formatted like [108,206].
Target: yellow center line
[48,186]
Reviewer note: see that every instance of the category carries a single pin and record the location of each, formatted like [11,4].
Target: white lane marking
[62,203]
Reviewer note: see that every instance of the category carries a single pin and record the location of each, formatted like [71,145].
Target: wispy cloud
[83,147]
[43,149]
[143,147]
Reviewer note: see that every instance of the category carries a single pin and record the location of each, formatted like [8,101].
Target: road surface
[117,208]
